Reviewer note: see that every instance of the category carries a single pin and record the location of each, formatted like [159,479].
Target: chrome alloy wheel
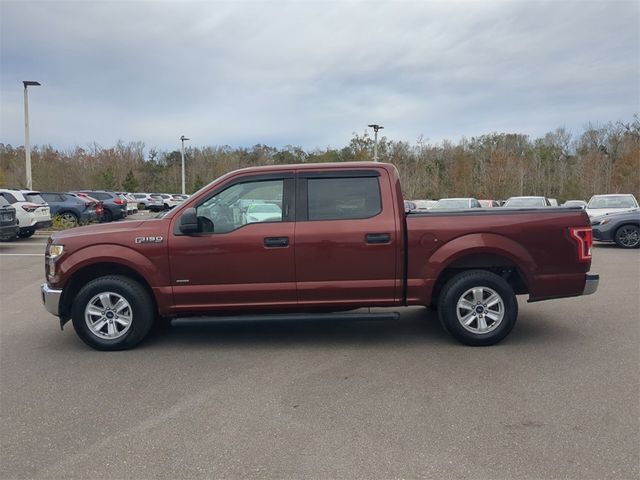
[629,236]
[108,315]
[480,310]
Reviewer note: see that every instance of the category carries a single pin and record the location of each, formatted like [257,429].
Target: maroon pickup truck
[313,241]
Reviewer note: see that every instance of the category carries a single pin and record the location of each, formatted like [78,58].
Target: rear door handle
[276,242]
[378,237]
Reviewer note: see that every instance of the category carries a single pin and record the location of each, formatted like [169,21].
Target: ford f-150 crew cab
[314,240]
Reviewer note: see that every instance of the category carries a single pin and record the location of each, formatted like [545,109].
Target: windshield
[34,198]
[451,203]
[525,202]
[3,202]
[613,201]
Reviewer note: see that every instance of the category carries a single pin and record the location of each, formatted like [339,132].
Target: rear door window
[343,198]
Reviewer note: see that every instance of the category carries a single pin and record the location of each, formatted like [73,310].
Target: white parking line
[21,244]
[21,254]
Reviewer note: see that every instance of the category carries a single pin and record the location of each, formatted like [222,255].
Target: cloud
[311,73]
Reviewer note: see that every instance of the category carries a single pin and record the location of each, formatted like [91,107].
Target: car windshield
[3,202]
[525,202]
[451,203]
[613,201]
[264,208]
[34,198]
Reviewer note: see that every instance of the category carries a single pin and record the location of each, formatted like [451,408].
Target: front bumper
[51,299]
[42,224]
[591,283]
[9,231]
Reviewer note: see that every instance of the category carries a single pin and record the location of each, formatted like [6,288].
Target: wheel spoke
[493,300]
[468,320]
[105,299]
[99,325]
[121,304]
[492,316]
[122,320]
[111,329]
[466,304]
[477,294]
[482,324]
[95,311]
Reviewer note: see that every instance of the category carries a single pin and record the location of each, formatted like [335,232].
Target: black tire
[460,289]
[141,312]
[107,216]
[26,232]
[70,218]
[627,236]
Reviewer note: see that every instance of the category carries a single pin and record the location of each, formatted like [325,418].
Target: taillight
[117,201]
[30,207]
[584,238]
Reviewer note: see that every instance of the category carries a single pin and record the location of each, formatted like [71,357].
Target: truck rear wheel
[112,313]
[478,308]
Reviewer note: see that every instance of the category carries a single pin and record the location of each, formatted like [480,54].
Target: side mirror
[189,221]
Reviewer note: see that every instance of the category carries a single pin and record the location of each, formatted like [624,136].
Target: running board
[286,317]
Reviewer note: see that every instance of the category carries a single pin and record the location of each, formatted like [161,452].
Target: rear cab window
[346,198]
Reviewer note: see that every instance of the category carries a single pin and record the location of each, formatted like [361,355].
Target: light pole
[375,141]
[182,139]
[27,145]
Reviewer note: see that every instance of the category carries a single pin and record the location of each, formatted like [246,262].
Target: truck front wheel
[112,313]
[478,307]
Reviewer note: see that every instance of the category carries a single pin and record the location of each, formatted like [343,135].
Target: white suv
[610,203]
[32,212]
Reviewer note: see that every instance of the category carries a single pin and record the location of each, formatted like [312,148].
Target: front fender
[152,268]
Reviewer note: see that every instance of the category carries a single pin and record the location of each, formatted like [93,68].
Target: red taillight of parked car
[584,238]
[30,207]
[118,201]
[99,209]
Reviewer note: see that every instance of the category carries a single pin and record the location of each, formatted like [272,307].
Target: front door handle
[276,242]
[378,237]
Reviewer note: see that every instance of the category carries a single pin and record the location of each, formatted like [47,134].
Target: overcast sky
[312,73]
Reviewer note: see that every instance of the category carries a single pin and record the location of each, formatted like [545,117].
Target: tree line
[559,164]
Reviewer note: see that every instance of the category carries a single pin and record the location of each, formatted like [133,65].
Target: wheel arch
[90,272]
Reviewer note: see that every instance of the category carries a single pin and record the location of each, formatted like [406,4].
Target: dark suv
[72,209]
[114,207]
[8,223]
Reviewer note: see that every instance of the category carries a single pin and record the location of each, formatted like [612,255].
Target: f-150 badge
[157,239]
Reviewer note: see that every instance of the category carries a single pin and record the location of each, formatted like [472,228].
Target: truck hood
[106,232]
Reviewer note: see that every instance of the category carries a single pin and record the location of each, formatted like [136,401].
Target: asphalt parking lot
[557,399]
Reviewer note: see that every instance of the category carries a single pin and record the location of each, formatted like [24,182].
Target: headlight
[52,254]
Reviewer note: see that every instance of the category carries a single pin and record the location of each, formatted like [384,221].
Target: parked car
[623,228]
[342,242]
[168,201]
[130,202]
[456,203]
[489,203]
[99,205]
[553,202]
[8,222]
[71,209]
[114,206]
[527,202]
[150,202]
[409,206]
[575,203]
[424,205]
[610,203]
[32,212]
[263,212]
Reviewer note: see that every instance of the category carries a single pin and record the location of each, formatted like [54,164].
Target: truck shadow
[416,326]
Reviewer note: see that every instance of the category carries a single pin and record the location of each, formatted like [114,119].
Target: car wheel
[478,308]
[112,313]
[107,216]
[69,219]
[26,232]
[628,236]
